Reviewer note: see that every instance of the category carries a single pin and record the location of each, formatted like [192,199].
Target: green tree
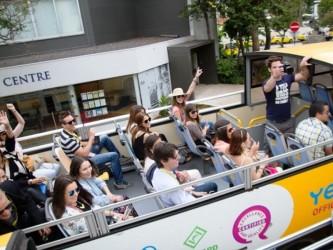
[200,9]
[12,18]
[325,12]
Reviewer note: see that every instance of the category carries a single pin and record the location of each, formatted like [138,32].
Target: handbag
[269,170]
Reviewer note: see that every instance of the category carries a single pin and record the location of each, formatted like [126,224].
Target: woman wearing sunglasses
[140,134]
[239,143]
[193,124]
[85,172]
[179,98]
[134,110]
[71,199]
[223,131]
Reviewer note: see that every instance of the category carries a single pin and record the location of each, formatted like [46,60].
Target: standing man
[72,145]
[277,93]
[313,129]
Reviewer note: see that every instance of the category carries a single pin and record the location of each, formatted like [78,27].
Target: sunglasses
[70,122]
[230,130]
[180,96]
[194,112]
[176,157]
[148,120]
[76,190]
[8,207]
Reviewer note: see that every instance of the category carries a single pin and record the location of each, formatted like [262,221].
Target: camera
[287,68]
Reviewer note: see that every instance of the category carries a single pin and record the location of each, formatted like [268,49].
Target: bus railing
[121,119]
[98,226]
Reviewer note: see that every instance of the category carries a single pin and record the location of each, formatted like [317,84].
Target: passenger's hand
[3,118]
[116,198]
[198,73]
[199,194]
[92,133]
[44,231]
[254,148]
[305,62]
[10,107]
[182,176]
[38,180]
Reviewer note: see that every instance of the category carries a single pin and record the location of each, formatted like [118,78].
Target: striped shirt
[312,131]
[70,143]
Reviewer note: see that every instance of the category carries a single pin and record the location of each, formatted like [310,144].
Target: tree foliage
[12,18]
[325,12]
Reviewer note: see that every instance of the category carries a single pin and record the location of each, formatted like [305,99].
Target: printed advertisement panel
[247,220]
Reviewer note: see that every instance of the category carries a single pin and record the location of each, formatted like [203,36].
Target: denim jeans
[112,156]
[206,187]
[104,142]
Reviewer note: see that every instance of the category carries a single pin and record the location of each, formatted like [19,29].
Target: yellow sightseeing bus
[245,215]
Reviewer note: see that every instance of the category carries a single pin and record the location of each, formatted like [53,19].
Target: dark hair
[272,59]
[188,108]
[317,107]
[75,166]
[221,131]
[237,138]
[149,144]
[139,120]
[58,202]
[63,115]
[134,110]
[162,152]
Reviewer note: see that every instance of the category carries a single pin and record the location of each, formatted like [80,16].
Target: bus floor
[138,187]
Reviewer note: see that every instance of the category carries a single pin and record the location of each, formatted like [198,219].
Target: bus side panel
[250,219]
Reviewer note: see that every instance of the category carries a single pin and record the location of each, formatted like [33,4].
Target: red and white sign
[294,26]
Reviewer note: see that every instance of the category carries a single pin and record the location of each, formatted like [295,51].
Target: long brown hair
[188,108]
[58,202]
[139,120]
[134,109]
[75,166]
[149,144]
[237,138]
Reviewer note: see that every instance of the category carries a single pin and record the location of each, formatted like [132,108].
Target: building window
[50,19]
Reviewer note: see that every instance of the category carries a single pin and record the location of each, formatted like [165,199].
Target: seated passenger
[85,172]
[44,169]
[313,129]
[140,134]
[223,131]
[13,167]
[134,110]
[179,98]
[239,143]
[164,177]
[72,145]
[70,199]
[193,124]
[18,211]
[183,176]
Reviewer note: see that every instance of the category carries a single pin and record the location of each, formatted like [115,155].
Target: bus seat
[295,143]
[330,123]
[178,124]
[49,215]
[63,158]
[150,189]
[306,92]
[236,178]
[323,94]
[189,141]
[217,161]
[277,143]
[124,140]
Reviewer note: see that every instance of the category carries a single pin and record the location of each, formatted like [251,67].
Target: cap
[177,92]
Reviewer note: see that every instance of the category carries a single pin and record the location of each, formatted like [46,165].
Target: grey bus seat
[322,93]
[149,187]
[295,143]
[49,215]
[277,143]
[179,131]
[236,178]
[189,140]
[124,140]
[306,92]
[217,161]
